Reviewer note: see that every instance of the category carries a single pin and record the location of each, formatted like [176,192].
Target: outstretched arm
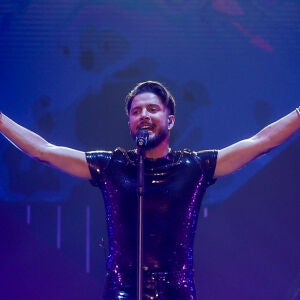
[239,154]
[66,159]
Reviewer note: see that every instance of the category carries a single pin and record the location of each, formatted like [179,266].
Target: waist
[130,275]
[177,285]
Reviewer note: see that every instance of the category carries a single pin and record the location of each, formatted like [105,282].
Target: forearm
[66,159]
[24,139]
[239,154]
[278,132]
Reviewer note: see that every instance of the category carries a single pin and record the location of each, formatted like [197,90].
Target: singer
[175,183]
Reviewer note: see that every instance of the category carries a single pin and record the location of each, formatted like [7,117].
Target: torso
[174,187]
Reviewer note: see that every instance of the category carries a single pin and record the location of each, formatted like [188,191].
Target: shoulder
[98,154]
[100,161]
[198,155]
[201,158]
[103,157]
[205,160]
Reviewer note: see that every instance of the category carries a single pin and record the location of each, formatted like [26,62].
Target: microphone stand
[140,192]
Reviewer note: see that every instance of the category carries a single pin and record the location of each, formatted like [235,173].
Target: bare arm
[239,154]
[66,159]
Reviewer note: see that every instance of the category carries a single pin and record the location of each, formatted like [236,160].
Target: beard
[155,139]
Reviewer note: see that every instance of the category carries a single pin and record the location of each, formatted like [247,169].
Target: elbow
[41,154]
[264,144]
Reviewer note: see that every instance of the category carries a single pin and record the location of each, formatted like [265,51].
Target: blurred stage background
[233,67]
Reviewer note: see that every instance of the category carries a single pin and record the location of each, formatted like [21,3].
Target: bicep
[67,160]
[235,156]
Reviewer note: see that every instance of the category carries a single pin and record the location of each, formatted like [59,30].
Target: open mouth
[146,127]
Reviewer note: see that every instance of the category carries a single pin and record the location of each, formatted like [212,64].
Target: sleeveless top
[174,188]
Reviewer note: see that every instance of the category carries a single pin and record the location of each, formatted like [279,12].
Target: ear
[171,121]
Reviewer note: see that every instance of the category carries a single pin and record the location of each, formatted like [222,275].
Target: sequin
[174,187]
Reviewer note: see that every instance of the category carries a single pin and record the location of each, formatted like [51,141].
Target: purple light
[87,257]
[58,235]
[28,214]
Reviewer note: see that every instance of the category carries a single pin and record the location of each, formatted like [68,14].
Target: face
[148,112]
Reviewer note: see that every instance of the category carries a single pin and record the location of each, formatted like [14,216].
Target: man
[175,182]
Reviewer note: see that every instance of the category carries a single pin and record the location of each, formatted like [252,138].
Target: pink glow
[229,7]
[254,39]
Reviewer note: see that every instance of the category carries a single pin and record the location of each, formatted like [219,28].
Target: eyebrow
[147,105]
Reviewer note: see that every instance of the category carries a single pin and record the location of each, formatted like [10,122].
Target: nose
[145,114]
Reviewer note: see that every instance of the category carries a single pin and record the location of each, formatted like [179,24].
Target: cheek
[132,123]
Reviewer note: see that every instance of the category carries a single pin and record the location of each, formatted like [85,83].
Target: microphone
[142,137]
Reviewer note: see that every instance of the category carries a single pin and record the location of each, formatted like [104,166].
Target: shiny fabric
[174,187]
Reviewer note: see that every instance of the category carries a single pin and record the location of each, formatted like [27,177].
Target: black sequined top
[174,187]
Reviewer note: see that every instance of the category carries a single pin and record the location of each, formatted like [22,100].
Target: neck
[159,151]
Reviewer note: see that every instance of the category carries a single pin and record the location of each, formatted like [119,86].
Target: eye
[134,111]
[153,108]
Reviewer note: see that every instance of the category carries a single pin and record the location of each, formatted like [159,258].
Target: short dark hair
[154,87]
